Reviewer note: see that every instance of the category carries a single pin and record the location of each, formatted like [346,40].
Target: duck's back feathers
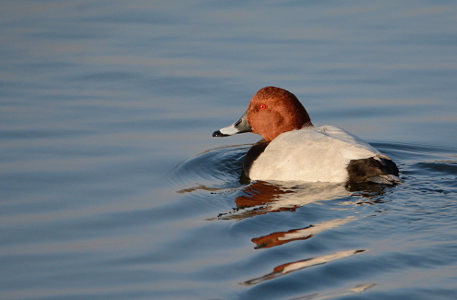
[312,154]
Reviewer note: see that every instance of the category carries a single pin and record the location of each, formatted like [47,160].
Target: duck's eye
[262,106]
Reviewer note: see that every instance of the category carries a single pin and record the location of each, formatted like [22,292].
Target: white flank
[310,154]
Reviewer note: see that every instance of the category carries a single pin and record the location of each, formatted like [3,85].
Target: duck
[293,149]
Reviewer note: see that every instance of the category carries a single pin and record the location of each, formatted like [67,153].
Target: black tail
[377,169]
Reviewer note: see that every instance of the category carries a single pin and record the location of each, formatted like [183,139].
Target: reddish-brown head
[273,111]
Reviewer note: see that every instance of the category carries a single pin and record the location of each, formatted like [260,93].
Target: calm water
[111,186]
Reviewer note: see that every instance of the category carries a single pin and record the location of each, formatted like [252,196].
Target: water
[112,188]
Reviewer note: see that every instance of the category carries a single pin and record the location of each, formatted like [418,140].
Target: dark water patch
[60,34]
[109,76]
[138,17]
[201,87]
[364,112]
[11,134]
[442,167]
[161,124]
[55,152]
[49,66]
[411,151]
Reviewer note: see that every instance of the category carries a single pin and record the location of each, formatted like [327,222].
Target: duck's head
[271,112]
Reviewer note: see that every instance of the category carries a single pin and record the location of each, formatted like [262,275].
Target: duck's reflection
[266,197]
[339,292]
[302,264]
[279,238]
[259,198]
[263,197]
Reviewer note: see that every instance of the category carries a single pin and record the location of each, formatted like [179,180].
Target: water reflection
[338,292]
[302,264]
[279,238]
[263,197]
[260,198]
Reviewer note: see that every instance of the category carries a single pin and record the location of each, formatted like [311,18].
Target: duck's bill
[240,126]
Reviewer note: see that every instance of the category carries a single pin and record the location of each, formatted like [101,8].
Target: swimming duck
[293,149]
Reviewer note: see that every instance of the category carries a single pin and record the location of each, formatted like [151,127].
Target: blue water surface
[111,186]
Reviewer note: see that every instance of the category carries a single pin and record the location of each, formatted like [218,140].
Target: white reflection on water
[279,238]
[302,264]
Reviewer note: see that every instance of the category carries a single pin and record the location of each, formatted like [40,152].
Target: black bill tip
[218,133]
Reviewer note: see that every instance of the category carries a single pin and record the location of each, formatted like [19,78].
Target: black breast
[252,155]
